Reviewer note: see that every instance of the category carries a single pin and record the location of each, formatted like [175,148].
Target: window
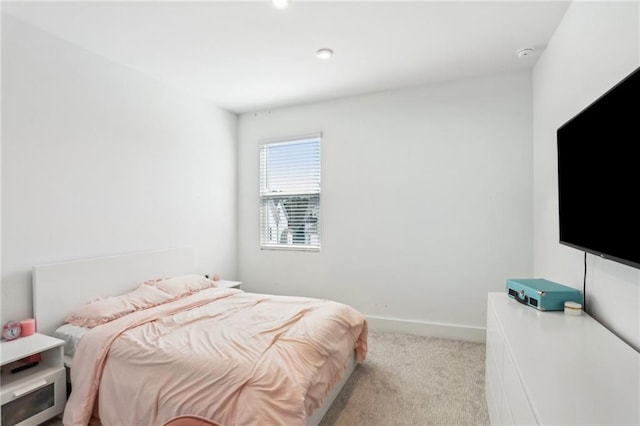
[290,194]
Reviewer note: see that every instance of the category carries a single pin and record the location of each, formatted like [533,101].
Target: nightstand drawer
[34,400]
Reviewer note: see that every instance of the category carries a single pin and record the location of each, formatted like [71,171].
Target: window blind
[290,194]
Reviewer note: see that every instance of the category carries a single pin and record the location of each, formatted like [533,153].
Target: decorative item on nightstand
[27,327]
[11,330]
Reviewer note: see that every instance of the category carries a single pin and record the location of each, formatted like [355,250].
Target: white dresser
[549,368]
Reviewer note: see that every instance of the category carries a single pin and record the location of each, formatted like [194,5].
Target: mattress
[71,334]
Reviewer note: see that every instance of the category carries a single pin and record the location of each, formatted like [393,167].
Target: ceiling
[247,56]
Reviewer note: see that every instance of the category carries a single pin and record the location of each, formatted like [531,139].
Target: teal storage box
[542,294]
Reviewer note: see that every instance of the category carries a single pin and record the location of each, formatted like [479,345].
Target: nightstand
[228,284]
[35,394]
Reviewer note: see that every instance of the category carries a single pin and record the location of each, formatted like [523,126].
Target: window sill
[289,248]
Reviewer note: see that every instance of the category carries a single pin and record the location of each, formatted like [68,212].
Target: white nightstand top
[228,284]
[13,350]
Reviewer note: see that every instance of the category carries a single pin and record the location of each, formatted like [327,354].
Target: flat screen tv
[599,175]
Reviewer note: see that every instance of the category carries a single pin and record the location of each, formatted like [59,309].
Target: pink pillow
[104,310]
[182,285]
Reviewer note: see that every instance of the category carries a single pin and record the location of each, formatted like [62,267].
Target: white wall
[99,160]
[596,45]
[426,199]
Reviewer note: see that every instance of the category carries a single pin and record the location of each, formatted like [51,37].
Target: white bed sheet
[71,334]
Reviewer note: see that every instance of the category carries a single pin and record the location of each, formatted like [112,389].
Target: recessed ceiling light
[324,53]
[525,51]
[280,4]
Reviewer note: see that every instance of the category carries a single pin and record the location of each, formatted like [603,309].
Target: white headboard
[61,287]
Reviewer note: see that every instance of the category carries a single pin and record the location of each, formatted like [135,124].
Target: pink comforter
[234,357]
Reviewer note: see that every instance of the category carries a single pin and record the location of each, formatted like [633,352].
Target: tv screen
[599,175]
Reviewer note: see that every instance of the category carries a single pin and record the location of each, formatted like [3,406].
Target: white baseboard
[446,331]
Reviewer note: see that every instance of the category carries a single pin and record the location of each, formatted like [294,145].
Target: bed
[235,357]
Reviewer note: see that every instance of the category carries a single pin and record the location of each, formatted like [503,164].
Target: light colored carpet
[414,380]
[411,380]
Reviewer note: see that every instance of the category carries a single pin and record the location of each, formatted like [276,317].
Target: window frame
[261,196]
